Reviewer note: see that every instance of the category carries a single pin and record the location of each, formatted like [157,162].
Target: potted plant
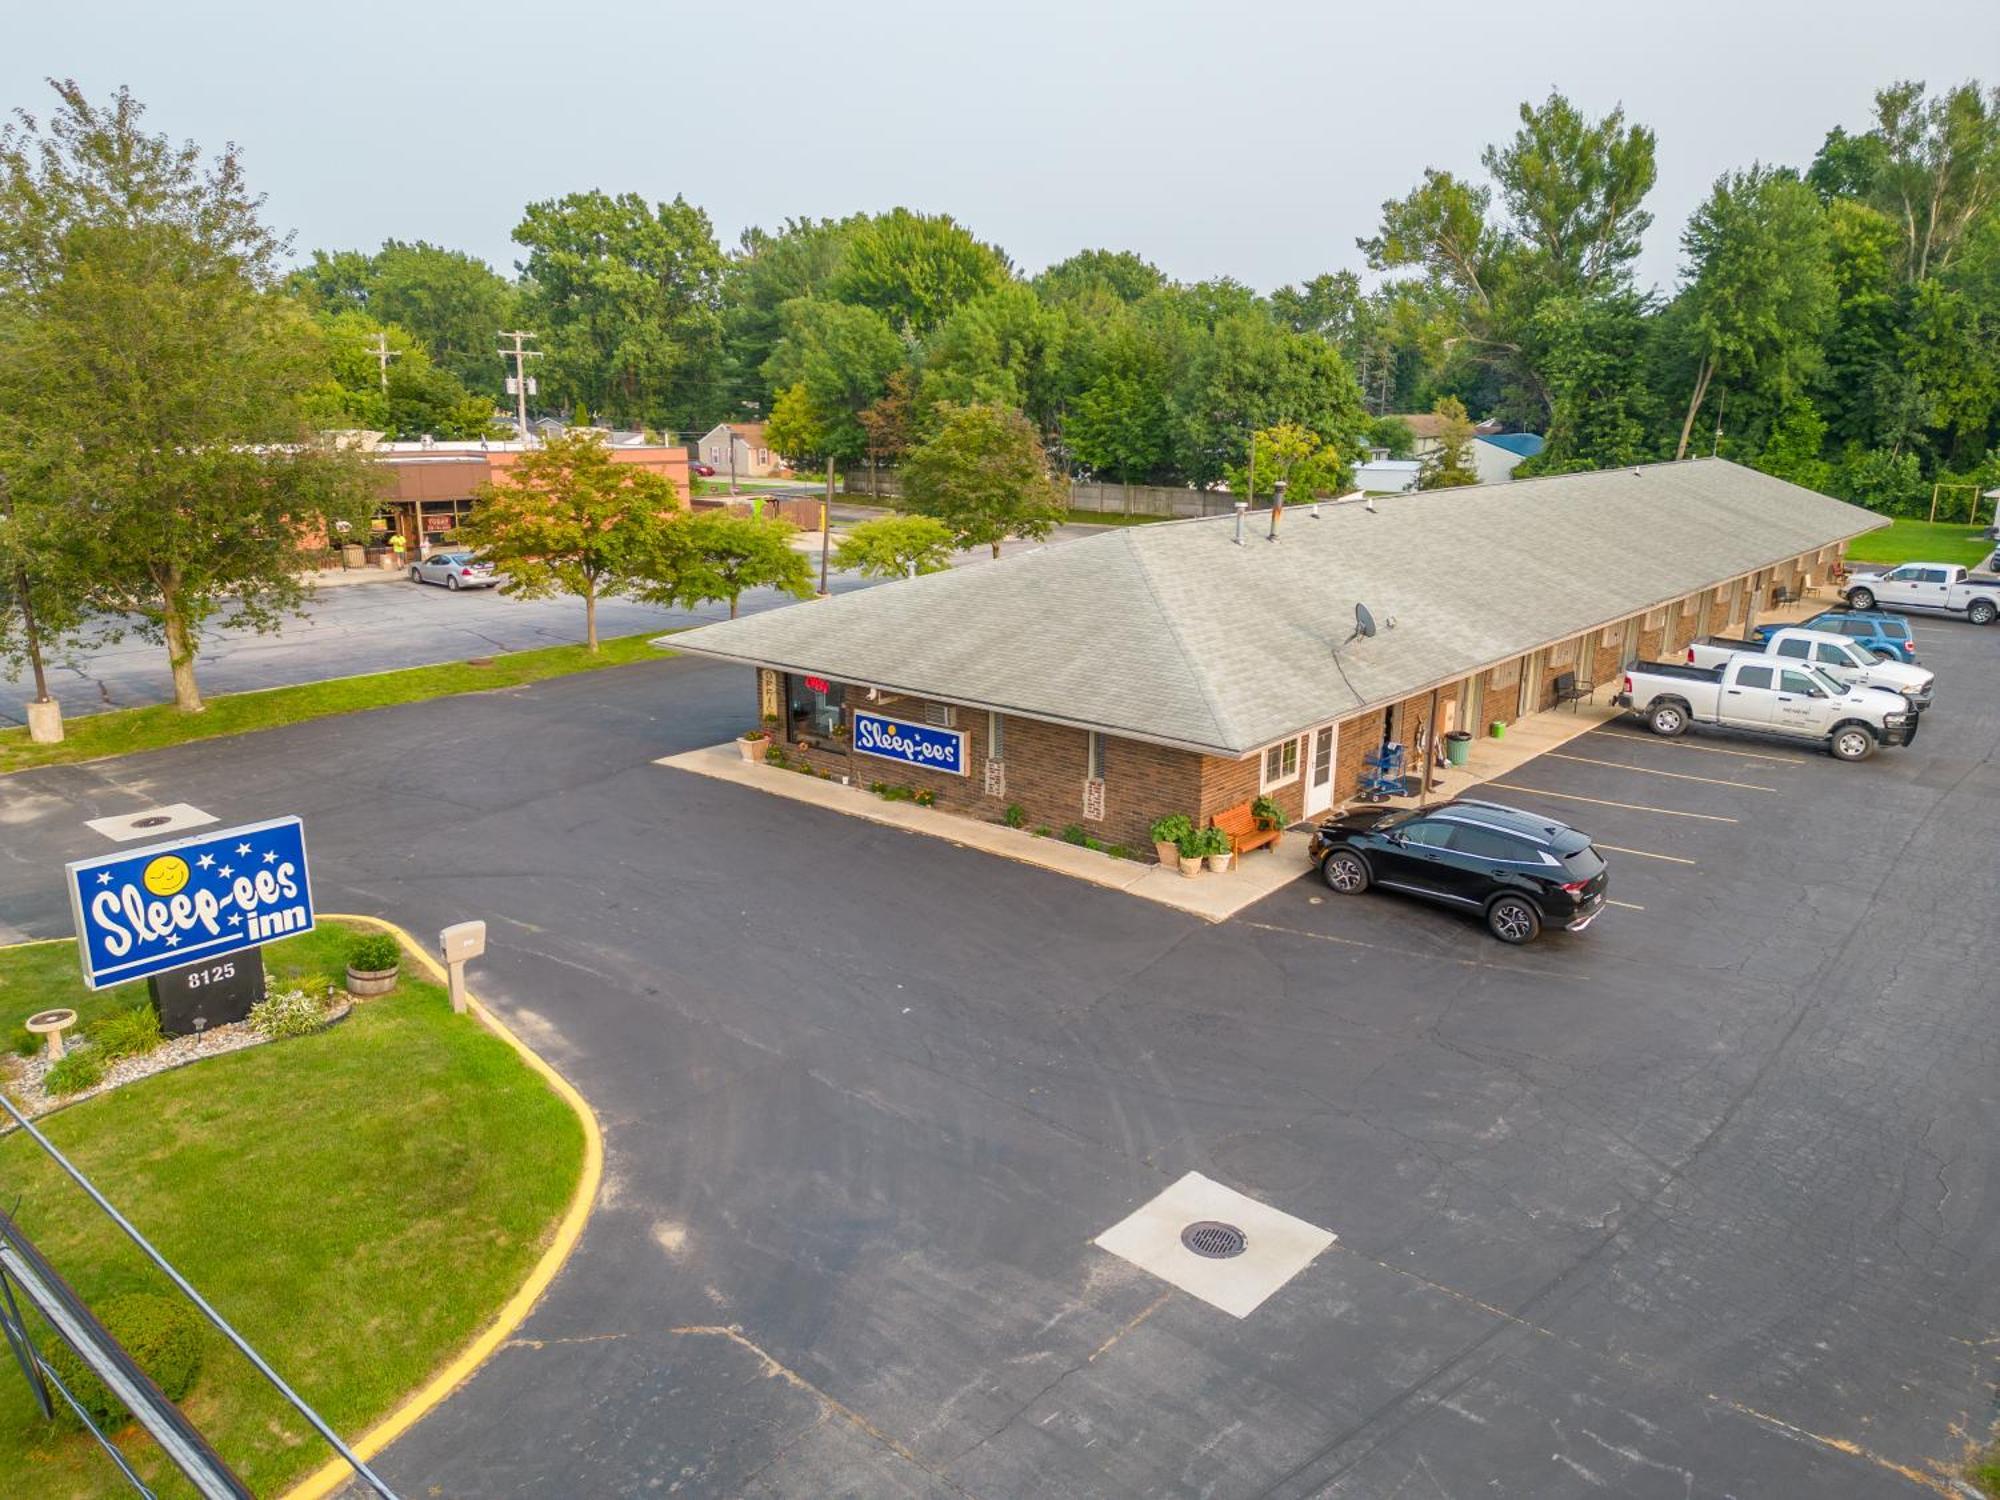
[751,743]
[1189,850]
[1267,813]
[372,962]
[1167,833]
[1215,844]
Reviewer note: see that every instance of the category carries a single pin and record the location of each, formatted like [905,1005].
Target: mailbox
[462,941]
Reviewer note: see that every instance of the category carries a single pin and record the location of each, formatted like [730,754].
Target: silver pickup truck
[1766,696]
[1835,656]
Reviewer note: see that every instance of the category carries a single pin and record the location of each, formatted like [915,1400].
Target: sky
[1256,140]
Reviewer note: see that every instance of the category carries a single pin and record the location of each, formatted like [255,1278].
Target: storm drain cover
[157,820]
[1215,1240]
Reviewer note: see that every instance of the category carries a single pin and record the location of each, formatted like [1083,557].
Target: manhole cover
[153,822]
[1215,1240]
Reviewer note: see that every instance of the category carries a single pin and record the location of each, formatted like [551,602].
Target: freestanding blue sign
[913,744]
[164,907]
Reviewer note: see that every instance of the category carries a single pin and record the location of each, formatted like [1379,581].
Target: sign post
[190,903]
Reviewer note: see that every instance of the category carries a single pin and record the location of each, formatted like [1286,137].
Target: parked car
[701,470]
[1885,634]
[1519,871]
[1843,660]
[1934,588]
[455,570]
[1765,696]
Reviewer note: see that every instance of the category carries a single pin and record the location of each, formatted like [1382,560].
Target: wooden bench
[1241,826]
[1567,690]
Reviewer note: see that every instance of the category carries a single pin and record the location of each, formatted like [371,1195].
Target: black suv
[1521,872]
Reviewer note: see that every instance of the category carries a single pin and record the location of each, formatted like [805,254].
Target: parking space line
[1665,812]
[1627,905]
[1444,958]
[1619,765]
[1672,859]
[1663,744]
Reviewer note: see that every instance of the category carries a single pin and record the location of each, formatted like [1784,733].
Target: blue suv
[1888,634]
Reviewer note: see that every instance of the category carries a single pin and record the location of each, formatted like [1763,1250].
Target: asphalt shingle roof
[1173,633]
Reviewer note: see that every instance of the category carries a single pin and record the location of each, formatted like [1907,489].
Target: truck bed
[1678,669]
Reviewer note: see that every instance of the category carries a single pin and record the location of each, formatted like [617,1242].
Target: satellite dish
[1364,623]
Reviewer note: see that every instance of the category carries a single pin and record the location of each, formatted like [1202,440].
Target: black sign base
[189,1001]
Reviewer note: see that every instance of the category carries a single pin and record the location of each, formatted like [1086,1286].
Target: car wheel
[1861,599]
[1344,871]
[1852,742]
[1669,720]
[1982,612]
[1514,920]
[415,576]
[451,582]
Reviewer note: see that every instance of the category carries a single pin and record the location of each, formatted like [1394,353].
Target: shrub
[374,952]
[1119,851]
[1073,833]
[1016,816]
[1192,844]
[774,754]
[1042,832]
[162,1334]
[287,1013]
[1267,813]
[926,798]
[130,1033]
[1214,840]
[1171,829]
[75,1073]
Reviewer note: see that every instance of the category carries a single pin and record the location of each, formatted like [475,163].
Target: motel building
[1193,666]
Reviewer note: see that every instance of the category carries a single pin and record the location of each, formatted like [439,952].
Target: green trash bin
[1498,729]
[1458,747]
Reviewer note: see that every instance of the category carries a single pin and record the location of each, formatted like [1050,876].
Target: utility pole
[825,525]
[383,354]
[518,382]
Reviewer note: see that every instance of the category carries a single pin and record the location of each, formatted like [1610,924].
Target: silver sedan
[455,570]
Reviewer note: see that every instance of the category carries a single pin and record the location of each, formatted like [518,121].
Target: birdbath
[52,1024]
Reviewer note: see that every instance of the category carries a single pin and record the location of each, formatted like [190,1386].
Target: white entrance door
[1319,772]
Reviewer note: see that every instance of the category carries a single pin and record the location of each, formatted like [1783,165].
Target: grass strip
[359,1203]
[1922,541]
[123,731]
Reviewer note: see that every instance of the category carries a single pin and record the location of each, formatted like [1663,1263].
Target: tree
[914,269]
[796,431]
[894,546]
[453,304]
[727,554]
[415,398]
[982,473]
[1449,465]
[1394,435]
[885,426]
[159,382]
[1793,449]
[1120,274]
[567,518]
[1005,347]
[1294,456]
[1760,288]
[627,298]
[1938,168]
[843,357]
[766,271]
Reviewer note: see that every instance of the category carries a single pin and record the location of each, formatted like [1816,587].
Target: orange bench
[1241,826]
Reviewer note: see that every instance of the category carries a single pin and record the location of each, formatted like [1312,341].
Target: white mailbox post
[460,943]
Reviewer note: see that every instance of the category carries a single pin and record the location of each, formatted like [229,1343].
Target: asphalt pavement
[1693,1204]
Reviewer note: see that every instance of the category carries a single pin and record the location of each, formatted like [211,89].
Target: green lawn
[41,975]
[1921,541]
[125,730]
[358,1203]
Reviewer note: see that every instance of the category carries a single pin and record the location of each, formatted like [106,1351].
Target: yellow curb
[335,1473]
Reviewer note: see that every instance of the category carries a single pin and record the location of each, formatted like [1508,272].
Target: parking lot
[1694,1203]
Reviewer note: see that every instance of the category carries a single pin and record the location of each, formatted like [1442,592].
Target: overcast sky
[1255,140]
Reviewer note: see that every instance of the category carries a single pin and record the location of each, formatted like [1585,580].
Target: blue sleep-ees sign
[170,905]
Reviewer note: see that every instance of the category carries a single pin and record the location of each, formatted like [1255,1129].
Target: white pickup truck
[1766,696]
[1843,660]
[1932,588]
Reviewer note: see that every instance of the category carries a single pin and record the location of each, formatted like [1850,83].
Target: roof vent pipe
[1241,506]
[1277,508]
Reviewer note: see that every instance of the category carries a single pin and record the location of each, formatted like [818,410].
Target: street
[1691,1204]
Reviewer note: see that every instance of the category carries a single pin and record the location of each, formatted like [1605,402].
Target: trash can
[1458,747]
[1498,729]
[351,555]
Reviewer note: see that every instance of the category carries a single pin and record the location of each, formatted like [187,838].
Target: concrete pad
[1278,1246]
[150,822]
[1212,897]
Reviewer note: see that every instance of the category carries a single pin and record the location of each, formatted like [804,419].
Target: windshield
[1833,689]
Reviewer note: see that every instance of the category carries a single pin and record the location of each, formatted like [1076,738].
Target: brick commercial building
[1192,666]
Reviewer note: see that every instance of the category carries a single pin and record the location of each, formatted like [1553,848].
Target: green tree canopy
[567,518]
[892,546]
[914,268]
[626,297]
[1450,464]
[982,472]
[725,555]
[843,356]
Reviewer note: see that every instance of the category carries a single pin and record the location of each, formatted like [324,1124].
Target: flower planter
[752,749]
[1166,853]
[366,982]
[1190,864]
[1219,863]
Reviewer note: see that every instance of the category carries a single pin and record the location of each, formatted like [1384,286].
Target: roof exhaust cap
[1241,506]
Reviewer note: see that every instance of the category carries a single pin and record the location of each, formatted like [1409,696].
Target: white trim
[1286,778]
